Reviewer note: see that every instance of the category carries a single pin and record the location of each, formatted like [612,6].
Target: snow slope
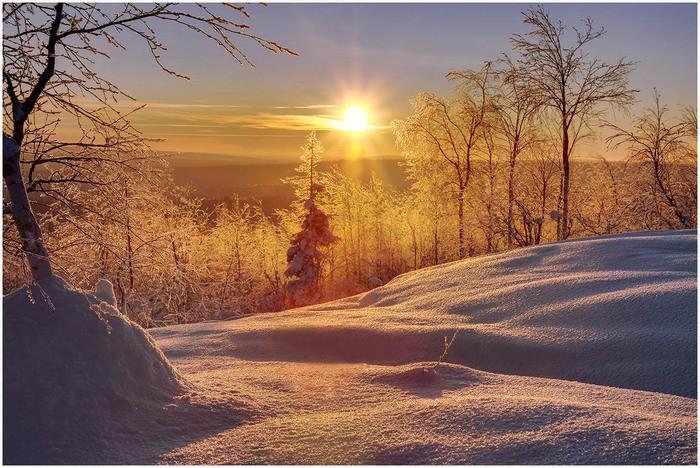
[343,382]
[574,352]
[618,311]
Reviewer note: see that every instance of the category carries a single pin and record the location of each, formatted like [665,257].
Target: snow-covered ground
[575,352]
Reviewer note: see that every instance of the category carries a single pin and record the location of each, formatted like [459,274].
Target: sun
[355,119]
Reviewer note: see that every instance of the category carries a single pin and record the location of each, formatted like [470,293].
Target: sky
[376,56]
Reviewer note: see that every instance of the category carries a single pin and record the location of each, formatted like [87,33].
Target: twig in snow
[446,350]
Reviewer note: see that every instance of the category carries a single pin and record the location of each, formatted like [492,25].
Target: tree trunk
[543,209]
[435,243]
[414,244]
[670,199]
[129,248]
[22,214]
[510,205]
[510,209]
[489,208]
[565,182]
[511,189]
[460,208]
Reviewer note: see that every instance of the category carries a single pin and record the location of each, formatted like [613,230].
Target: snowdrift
[82,384]
[71,364]
[574,352]
[346,382]
[617,310]
[360,414]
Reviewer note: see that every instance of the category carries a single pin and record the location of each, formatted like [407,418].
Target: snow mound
[580,352]
[338,414]
[349,382]
[71,363]
[615,310]
[428,380]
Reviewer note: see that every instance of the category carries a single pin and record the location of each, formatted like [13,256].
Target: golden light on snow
[355,119]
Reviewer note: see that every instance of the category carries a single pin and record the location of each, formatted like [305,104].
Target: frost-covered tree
[50,84]
[535,193]
[306,175]
[516,109]
[444,134]
[666,151]
[305,255]
[556,66]
[605,199]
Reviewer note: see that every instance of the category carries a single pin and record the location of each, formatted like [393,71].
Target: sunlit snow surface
[575,352]
[341,382]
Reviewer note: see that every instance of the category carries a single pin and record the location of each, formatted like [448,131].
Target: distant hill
[187,159]
[215,179]
[214,159]
[219,177]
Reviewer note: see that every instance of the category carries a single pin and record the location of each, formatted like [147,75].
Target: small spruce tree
[305,256]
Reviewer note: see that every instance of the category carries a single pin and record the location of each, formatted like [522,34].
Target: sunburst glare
[355,119]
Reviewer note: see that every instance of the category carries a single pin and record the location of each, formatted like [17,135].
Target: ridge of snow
[613,310]
[72,362]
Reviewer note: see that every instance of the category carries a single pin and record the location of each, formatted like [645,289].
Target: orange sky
[374,55]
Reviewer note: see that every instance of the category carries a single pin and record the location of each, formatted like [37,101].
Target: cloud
[266,120]
[182,105]
[156,124]
[214,119]
[225,123]
[229,121]
[126,103]
[313,106]
[229,135]
[176,105]
[194,116]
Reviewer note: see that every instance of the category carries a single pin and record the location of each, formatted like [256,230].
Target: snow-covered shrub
[305,257]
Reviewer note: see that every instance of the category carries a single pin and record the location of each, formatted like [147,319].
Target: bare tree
[534,192]
[487,190]
[476,102]
[605,204]
[557,68]
[516,110]
[690,118]
[664,149]
[49,52]
[448,130]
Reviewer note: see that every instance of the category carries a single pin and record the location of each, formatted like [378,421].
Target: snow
[304,257]
[104,291]
[575,352]
[71,363]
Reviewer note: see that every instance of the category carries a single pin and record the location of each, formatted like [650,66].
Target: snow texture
[344,382]
[575,352]
[71,363]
